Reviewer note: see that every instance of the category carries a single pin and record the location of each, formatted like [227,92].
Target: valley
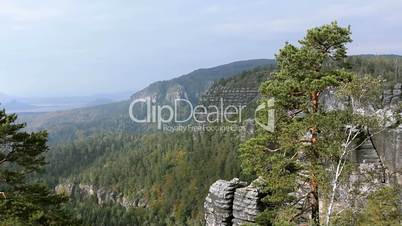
[118,172]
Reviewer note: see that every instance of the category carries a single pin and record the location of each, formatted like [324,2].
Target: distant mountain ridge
[114,117]
[158,170]
[191,86]
[17,104]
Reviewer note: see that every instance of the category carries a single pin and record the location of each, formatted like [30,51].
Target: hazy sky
[82,47]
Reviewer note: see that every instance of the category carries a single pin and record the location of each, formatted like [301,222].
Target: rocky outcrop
[101,195]
[389,146]
[232,203]
[219,202]
[175,92]
[162,91]
[388,143]
[246,204]
[379,161]
[196,83]
[384,148]
[393,96]
[65,189]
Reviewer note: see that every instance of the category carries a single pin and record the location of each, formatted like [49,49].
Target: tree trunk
[314,100]
[314,201]
[313,197]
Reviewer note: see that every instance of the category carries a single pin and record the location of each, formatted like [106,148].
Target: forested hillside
[169,172]
[68,125]
[387,66]
[166,174]
[197,82]
[114,117]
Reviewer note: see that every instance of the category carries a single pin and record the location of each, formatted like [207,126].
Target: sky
[84,47]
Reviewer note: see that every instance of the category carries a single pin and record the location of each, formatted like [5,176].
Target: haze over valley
[200,113]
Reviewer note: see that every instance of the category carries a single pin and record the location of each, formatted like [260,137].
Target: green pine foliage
[95,146]
[308,140]
[383,209]
[171,171]
[23,201]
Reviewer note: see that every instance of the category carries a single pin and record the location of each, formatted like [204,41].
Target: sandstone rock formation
[232,203]
[219,202]
[101,195]
[382,149]
[379,161]
[246,204]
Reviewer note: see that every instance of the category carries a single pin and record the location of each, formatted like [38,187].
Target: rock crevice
[232,203]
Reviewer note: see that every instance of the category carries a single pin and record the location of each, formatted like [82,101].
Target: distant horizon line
[104,94]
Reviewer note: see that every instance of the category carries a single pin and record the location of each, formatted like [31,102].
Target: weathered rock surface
[246,204]
[101,195]
[389,146]
[231,203]
[382,149]
[393,96]
[379,160]
[219,202]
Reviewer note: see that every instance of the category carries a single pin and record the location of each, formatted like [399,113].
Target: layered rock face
[393,96]
[162,91]
[246,204]
[383,149]
[101,195]
[232,203]
[219,202]
[389,146]
[389,142]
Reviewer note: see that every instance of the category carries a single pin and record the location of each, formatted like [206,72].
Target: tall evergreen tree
[309,141]
[22,200]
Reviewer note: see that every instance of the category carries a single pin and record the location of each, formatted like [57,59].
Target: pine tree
[22,200]
[308,139]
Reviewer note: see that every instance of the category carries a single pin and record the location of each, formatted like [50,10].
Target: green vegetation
[172,172]
[387,66]
[22,201]
[198,81]
[308,139]
[383,208]
[114,118]
[251,79]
